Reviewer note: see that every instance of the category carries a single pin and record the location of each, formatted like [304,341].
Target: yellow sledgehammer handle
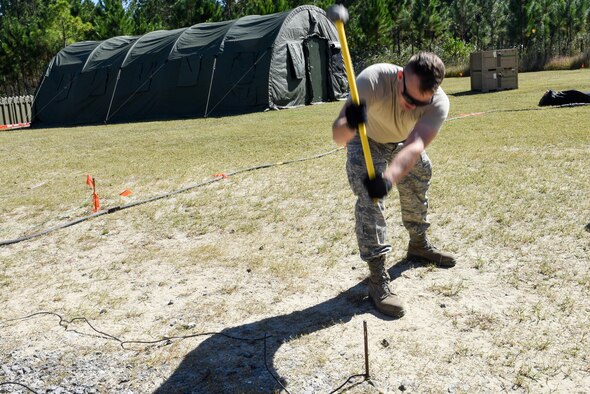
[355,97]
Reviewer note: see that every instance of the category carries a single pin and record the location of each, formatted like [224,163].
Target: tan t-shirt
[386,121]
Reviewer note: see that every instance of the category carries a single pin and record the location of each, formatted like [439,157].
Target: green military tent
[249,64]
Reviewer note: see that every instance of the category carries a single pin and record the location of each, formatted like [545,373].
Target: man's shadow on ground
[225,364]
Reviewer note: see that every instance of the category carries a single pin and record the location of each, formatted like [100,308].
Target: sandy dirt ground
[243,286]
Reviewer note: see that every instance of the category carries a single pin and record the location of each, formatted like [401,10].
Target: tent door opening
[316,62]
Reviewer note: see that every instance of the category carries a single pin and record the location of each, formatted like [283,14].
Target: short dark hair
[429,68]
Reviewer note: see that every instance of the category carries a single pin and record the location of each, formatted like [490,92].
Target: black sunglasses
[411,100]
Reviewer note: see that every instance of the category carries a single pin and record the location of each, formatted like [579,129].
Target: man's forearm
[402,164]
[341,133]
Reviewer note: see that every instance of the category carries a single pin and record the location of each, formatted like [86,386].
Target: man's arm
[404,161]
[341,131]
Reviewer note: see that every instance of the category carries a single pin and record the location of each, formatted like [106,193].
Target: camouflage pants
[371,228]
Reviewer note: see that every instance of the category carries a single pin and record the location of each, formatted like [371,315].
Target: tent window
[145,76]
[243,68]
[243,73]
[63,90]
[99,82]
[297,60]
[189,71]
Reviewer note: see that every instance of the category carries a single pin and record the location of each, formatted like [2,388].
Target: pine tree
[492,30]
[429,19]
[66,27]
[399,13]
[375,21]
[112,19]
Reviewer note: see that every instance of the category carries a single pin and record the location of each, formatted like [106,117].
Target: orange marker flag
[126,193]
[95,201]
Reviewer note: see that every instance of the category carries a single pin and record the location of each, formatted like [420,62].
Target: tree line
[33,31]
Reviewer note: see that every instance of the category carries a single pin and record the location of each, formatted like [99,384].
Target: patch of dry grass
[569,62]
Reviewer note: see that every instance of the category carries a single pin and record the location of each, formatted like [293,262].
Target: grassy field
[273,251]
[44,171]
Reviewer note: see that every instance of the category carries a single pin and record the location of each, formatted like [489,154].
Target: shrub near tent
[250,64]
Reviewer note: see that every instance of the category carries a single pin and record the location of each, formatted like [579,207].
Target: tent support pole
[210,85]
[40,86]
[36,94]
[113,96]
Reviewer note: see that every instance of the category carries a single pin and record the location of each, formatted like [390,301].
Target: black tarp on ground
[210,69]
[552,97]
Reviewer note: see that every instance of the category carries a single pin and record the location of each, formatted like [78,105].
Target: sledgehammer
[338,14]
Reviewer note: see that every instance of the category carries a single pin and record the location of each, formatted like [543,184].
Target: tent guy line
[207,112]
[493,111]
[218,177]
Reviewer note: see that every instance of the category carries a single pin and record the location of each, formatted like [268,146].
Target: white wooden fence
[15,111]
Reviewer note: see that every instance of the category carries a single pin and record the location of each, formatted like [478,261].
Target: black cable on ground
[348,380]
[19,384]
[159,197]
[270,372]
[64,323]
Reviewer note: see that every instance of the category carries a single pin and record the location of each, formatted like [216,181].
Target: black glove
[377,187]
[356,114]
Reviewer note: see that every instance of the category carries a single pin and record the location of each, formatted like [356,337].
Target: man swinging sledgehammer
[402,110]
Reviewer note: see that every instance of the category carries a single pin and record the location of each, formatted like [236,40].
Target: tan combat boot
[384,299]
[420,249]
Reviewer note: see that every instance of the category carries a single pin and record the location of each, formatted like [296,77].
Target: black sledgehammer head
[338,12]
